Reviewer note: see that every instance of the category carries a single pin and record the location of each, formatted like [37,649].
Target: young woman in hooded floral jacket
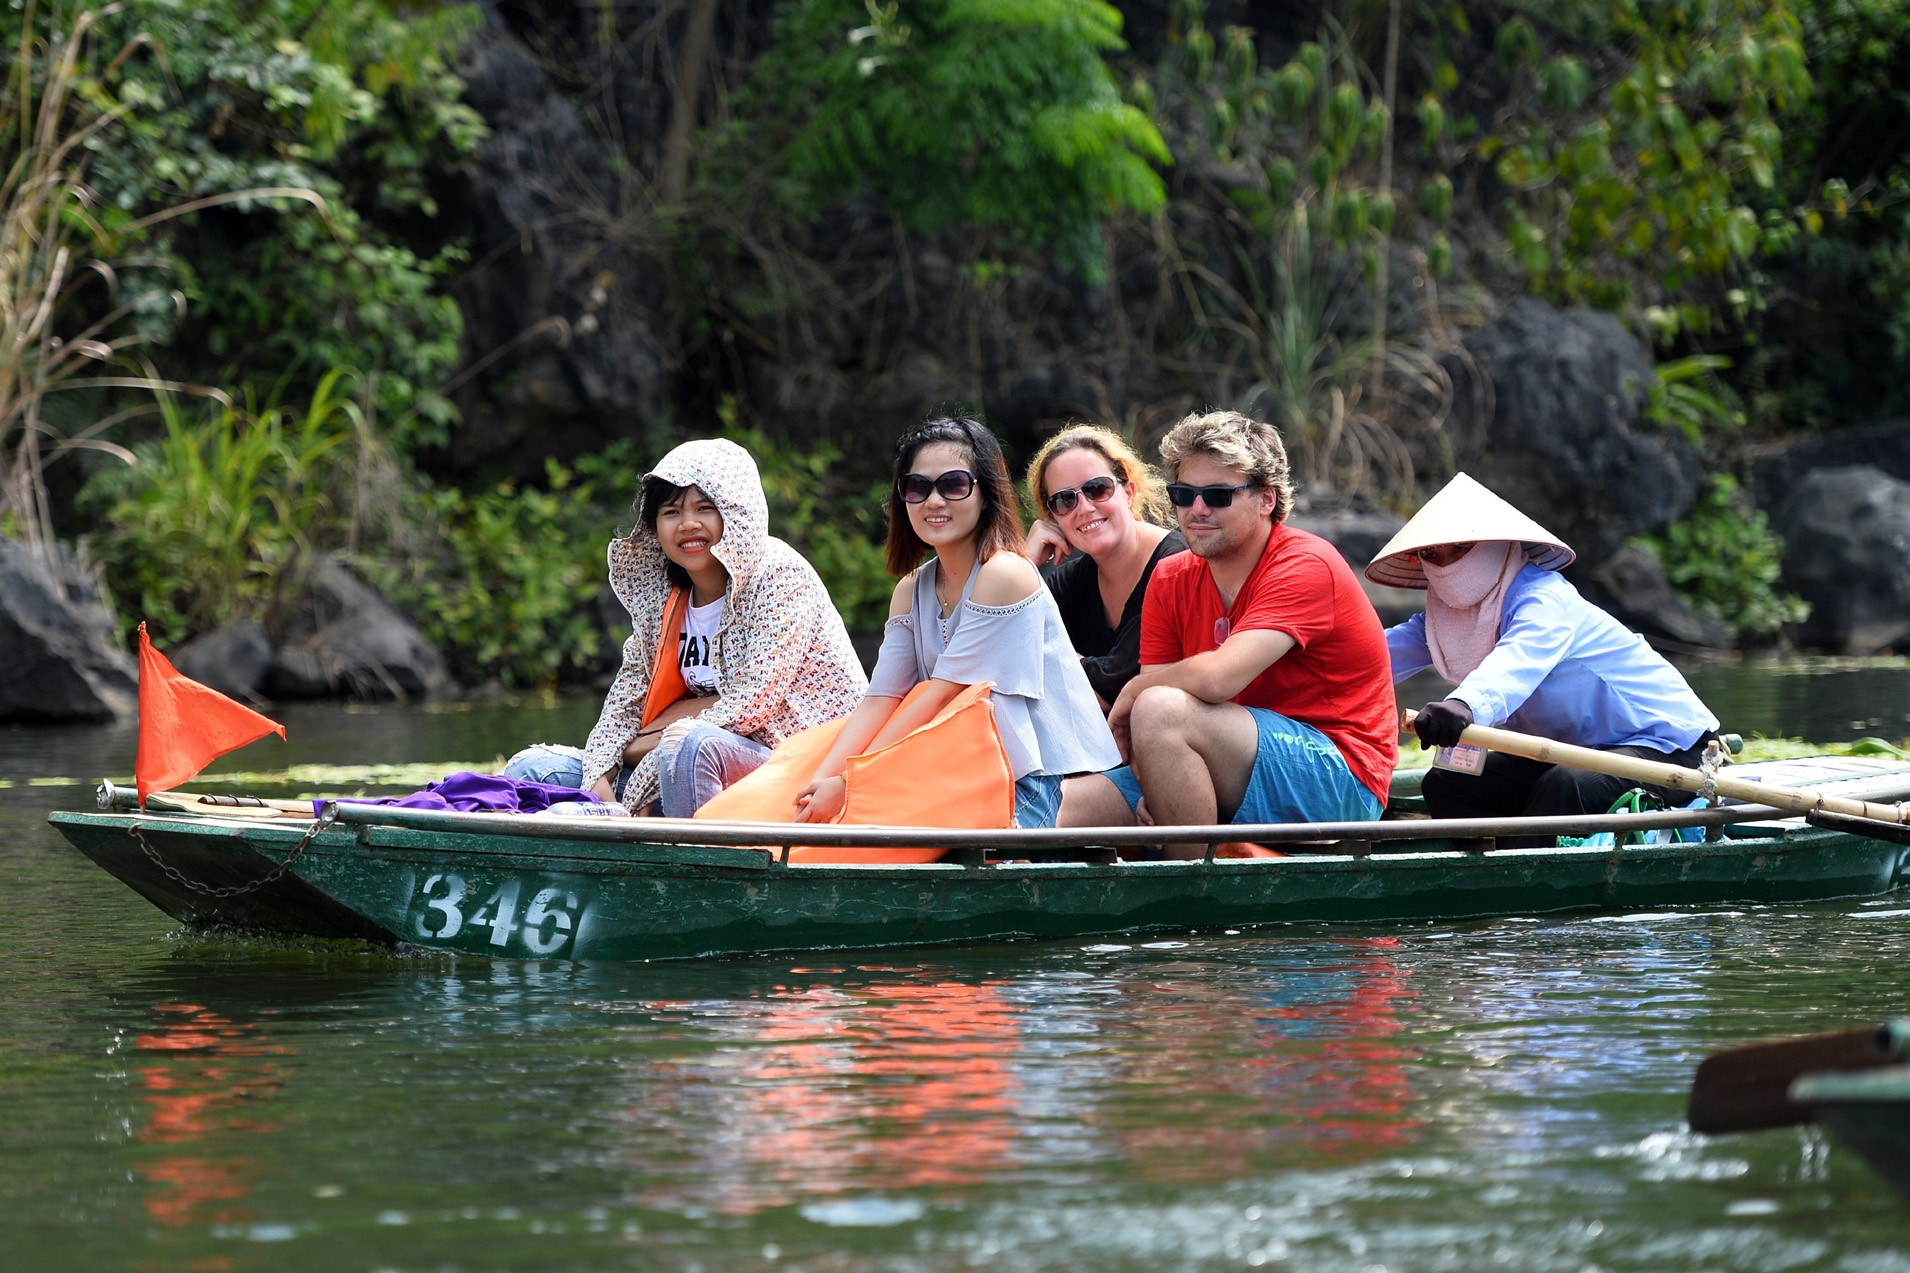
[754,650]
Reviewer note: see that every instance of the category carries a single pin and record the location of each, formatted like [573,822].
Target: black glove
[1440,724]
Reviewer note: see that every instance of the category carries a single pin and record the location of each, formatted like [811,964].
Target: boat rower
[1526,651]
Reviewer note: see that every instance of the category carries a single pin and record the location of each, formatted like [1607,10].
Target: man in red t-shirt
[1265,692]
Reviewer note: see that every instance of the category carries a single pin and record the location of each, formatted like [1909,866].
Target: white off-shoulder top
[1045,709]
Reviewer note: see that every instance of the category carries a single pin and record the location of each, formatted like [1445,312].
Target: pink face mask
[1463,605]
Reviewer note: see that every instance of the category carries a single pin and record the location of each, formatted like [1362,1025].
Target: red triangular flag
[183,725]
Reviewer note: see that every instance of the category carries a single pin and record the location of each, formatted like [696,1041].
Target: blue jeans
[695,760]
[1037,800]
[1298,776]
[560,766]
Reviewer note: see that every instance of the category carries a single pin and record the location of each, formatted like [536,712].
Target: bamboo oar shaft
[1676,777]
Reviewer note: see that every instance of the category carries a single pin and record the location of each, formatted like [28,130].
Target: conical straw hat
[1464,512]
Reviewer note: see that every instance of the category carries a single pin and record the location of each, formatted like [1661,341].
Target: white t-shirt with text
[693,647]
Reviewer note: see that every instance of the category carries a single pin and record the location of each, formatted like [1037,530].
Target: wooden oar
[1677,777]
[1746,1088]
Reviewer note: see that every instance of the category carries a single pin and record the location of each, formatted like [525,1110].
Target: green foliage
[219,514]
[1835,231]
[215,516]
[1724,559]
[67,323]
[1654,178]
[343,97]
[1688,395]
[507,584]
[998,114]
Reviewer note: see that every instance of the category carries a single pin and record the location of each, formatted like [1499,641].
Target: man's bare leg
[1092,801]
[1193,759]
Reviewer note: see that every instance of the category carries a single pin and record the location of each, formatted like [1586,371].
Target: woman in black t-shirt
[1097,543]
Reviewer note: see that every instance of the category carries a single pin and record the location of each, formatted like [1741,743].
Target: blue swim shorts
[1298,776]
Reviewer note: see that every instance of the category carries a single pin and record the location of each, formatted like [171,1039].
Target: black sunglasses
[1098,490]
[1182,496]
[954,484]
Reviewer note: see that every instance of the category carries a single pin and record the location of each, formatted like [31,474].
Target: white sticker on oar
[1461,758]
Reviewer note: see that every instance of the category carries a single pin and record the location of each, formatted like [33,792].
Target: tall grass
[1345,404]
[225,508]
[64,324]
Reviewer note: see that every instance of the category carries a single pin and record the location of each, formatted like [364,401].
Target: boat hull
[1869,1111]
[509,896]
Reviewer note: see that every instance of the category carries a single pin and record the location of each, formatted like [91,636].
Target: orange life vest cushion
[951,772]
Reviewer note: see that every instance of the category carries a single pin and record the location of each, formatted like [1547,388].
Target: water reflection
[923,1082]
[896,1084]
[1316,1073]
[200,1077]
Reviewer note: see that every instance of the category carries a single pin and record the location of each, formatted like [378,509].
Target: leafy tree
[996,114]
[343,97]
[1651,174]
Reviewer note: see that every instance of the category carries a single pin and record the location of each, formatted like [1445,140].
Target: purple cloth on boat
[478,793]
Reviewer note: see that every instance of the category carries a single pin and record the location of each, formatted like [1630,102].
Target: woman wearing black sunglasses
[975,611]
[1101,504]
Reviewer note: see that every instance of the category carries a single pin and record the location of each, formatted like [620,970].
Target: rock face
[232,659]
[570,317]
[352,643]
[1885,445]
[1565,440]
[59,656]
[1632,586]
[1847,552]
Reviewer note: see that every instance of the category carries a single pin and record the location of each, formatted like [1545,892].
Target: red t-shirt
[1338,678]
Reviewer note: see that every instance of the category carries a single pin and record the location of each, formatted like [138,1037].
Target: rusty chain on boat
[272,876]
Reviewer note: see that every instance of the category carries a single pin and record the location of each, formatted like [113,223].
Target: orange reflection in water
[898,1085]
[1221,1082]
[204,1067]
[1193,1074]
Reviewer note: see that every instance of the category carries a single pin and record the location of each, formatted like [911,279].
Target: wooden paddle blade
[1747,1088]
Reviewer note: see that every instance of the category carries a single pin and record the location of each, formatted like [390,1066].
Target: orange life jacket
[666,675]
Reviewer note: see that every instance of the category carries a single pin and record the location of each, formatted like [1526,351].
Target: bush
[213,519]
[506,583]
[1653,179]
[1725,561]
[347,98]
[999,114]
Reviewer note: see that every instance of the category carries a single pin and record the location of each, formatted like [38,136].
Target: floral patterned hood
[723,471]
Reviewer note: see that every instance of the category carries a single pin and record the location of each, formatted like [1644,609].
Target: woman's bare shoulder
[902,600]
[1006,578]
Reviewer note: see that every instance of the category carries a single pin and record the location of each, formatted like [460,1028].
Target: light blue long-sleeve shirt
[1564,669]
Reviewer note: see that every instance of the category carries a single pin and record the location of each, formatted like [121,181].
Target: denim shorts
[1037,800]
[1298,776]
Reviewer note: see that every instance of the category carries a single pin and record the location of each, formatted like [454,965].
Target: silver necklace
[945,622]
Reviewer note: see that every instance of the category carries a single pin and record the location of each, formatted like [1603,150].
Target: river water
[1496,1095]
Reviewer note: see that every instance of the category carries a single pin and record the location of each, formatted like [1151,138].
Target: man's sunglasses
[954,484]
[1183,496]
[1098,490]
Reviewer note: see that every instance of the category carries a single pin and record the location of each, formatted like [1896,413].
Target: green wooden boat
[1869,1110]
[537,887]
